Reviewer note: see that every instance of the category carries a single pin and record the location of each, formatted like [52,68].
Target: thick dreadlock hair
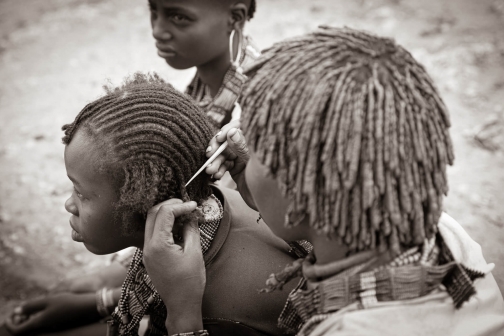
[355,132]
[152,137]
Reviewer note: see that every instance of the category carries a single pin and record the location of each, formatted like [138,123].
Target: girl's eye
[79,195]
[179,18]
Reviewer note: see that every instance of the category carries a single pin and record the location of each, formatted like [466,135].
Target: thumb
[166,217]
[237,142]
[31,307]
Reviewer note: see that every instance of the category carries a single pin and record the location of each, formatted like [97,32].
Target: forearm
[241,184]
[87,307]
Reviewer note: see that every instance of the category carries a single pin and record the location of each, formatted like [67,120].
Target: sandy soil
[56,54]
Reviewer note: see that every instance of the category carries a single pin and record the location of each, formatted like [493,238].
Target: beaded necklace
[139,296]
[220,107]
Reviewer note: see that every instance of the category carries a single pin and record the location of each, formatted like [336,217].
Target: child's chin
[178,65]
[97,250]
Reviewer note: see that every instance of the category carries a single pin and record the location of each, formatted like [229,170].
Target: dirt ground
[56,54]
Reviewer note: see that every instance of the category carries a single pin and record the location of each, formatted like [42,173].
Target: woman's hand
[233,159]
[176,268]
[53,313]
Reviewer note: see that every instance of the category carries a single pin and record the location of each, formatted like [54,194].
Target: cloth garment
[242,255]
[466,302]
[222,108]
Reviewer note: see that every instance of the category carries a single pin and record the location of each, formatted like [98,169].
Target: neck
[212,73]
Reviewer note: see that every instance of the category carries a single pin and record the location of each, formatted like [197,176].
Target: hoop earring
[236,61]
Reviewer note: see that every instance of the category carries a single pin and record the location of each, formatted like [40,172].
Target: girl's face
[190,33]
[270,202]
[92,201]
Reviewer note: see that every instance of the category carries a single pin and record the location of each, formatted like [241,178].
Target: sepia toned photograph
[251,167]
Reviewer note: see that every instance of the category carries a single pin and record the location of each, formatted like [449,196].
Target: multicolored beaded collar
[220,107]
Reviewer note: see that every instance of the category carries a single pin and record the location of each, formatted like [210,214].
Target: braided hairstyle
[355,133]
[152,139]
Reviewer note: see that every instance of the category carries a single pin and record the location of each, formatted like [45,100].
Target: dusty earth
[56,54]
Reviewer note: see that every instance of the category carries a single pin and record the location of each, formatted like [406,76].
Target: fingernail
[193,203]
[209,149]
[236,137]
[18,310]
[209,165]
[220,132]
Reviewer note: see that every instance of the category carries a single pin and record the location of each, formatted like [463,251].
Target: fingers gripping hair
[152,136]
[355,132]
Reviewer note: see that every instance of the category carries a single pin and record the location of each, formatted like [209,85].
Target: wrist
[184,318]
[87,305]
[194,333]
[242,187]
[105,302]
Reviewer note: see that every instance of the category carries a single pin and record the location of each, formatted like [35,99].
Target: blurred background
[55,55]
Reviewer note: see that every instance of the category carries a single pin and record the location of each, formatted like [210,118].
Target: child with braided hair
[191,33]
[127,151]
[348,142]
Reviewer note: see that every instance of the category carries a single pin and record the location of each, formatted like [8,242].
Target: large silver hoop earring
[235,61]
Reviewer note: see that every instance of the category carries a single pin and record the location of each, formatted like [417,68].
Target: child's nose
[160,31]
[71,207]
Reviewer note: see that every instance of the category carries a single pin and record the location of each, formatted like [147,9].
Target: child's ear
[239,15]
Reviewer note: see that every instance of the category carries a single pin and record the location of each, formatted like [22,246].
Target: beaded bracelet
[100,305]
[193,333]
[104,302]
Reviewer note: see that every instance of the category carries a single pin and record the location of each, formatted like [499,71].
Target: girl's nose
[71,207]
[159,30]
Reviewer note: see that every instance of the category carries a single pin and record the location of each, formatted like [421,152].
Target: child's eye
[79,195]
[179,18]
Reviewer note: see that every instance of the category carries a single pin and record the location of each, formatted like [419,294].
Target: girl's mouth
[164,51]
[165,54]
[77,237]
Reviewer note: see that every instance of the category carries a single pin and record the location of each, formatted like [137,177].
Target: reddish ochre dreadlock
[152,138]
[355,133]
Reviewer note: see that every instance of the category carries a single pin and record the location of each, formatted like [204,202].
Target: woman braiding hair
[371,154]
[348,145]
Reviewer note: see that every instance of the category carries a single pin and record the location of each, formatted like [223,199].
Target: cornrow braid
[356,134]
[153,139]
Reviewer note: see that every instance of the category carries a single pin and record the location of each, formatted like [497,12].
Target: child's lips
[165,54]
[165,51]
[76,236]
